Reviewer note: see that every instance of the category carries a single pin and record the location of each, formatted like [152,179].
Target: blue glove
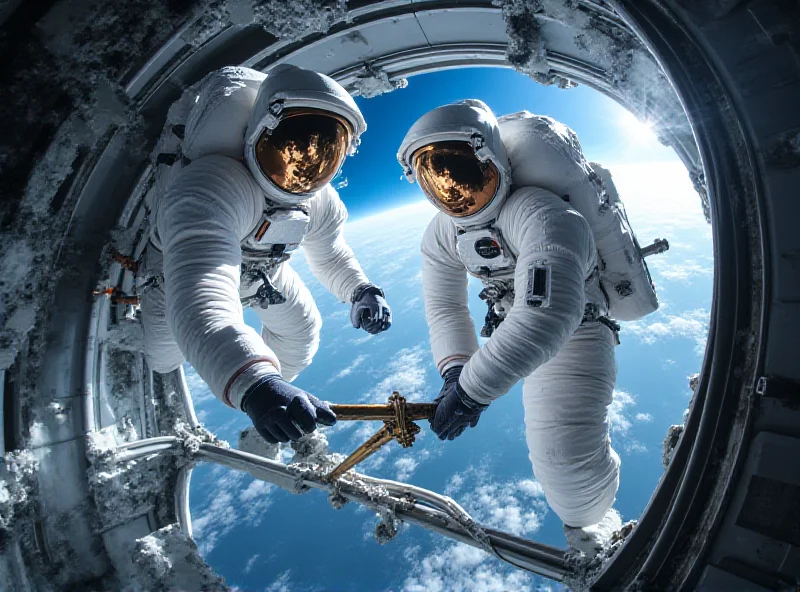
[455,410]
[281,412]
[370,311]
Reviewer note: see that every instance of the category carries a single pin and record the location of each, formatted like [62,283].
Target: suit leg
[566,405]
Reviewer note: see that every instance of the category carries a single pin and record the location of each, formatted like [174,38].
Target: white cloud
[255,500]
[531,488]
[373,464]
[362,431]
[281,583]
[681,272]
[634,446]
[515,506]
[412,303]
[222,511]
[349,369]
[407,221]
[405,467]
[460,568]
[360,340]
[406,374]
[692,325]
[219,516]
[392,461]
[509,507]
[620,422]
[286,453]
[251,562]
[455,483]
[255,490]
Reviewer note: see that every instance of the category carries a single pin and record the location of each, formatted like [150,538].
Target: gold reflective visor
[304,152]
[454,178]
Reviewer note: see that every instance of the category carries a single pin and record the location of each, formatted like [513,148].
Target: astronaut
[537,260]
[252,184]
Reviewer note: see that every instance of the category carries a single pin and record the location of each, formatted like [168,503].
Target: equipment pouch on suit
[484,252]
[279,232]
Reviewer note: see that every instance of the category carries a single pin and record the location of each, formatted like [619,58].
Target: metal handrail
[435,512]
[416,505]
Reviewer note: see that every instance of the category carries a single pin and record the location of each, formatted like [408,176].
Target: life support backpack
[545,153]
[224,99]
[211,118]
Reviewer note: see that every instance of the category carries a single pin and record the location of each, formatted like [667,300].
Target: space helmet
[302,127]
[456,155]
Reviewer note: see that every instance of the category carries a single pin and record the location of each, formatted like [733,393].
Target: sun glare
[637,131]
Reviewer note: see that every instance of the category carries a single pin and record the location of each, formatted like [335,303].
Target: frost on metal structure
[312,449]
[674,432]
[124,377]
[312,462]
[584,568]
[16,485]
[125,488]
[169,560]
[294,19]
[31,242]
[124,491]
[17,500]
[526,46]
[287,20]
[631,74]
[192,439]
[65,87]
[387,528]
[252,443]
[373,82]
[135,484]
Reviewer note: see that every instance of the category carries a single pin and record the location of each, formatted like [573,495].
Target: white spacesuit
[537,259]
[250,185]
